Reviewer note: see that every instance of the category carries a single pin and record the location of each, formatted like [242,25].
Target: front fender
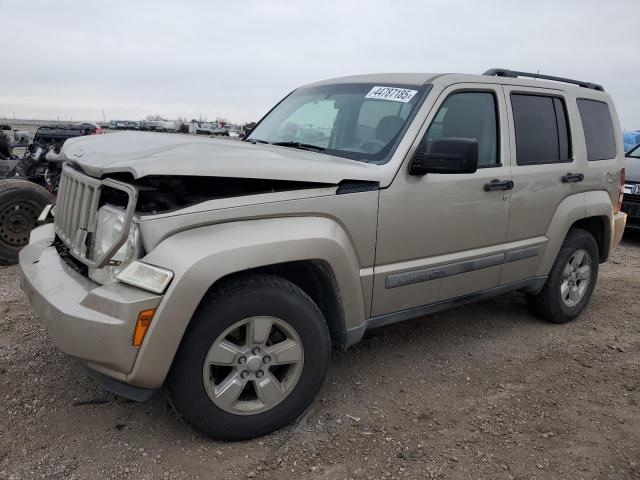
[201,256]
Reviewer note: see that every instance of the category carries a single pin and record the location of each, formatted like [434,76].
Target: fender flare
[569,211]
[572,209]
[598,204]
[201,256]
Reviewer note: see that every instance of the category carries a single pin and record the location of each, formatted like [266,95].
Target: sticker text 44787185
[392,93]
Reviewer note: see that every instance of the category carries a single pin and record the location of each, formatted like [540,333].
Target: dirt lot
[482,391]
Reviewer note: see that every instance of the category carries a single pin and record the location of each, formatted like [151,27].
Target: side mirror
[447,155]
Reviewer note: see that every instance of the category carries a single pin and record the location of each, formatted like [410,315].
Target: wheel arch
[597,227]
[591,211]
[315,278]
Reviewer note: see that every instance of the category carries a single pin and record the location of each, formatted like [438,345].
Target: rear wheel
[5,146]
[571,280]
[253,359]
[21,202]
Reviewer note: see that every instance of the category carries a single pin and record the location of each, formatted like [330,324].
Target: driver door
[442,236]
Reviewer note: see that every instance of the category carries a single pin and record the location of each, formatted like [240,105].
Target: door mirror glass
[446,155]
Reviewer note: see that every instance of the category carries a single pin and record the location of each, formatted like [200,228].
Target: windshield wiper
[256,140]
[300,146]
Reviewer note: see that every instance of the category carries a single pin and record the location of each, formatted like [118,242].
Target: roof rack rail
[503,72]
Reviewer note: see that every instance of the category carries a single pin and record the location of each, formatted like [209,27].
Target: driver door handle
[497,184]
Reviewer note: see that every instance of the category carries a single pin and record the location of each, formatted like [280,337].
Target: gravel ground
[481,391]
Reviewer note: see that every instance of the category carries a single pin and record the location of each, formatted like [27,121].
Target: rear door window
[598,129]
[541,129]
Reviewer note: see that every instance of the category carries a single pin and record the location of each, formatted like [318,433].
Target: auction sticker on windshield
[391,93]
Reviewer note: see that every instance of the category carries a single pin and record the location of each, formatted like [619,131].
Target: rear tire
[21,203]
[5,146]
[223,383]
[571,280]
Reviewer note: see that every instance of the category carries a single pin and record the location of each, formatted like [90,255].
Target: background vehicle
[29,182]
[354,203]
[162,125]
[631,139]
[631,200]
[202,128]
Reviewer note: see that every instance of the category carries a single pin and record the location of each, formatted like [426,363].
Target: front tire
[571,280]
[255,355]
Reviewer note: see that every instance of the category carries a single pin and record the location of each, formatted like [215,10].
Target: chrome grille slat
[76,213]
[65,210]
[68,212]
[84,212]
[77,196]
[61,189]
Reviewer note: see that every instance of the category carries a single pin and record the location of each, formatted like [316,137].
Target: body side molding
[455,268]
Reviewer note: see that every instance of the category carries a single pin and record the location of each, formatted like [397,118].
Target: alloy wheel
[575,278]
[253,365]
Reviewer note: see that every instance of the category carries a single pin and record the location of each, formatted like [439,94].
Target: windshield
[357,121]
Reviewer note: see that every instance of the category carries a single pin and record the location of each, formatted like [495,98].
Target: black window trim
[615,144]
[629,152]
[496,107]
[563,100]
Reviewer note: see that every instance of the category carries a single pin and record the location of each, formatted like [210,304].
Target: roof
[397,78]
[449,78]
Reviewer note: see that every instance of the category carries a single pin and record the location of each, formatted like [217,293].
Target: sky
[74,59]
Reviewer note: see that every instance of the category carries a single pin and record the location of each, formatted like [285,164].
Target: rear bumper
[91,322]
[619,223]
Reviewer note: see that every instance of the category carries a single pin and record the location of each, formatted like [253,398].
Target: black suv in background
[631,199]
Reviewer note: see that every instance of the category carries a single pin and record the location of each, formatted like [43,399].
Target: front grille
[76,210]
[631,192]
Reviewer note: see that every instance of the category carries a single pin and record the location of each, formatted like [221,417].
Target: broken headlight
[109,226]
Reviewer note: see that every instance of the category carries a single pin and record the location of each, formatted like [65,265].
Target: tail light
[618,206]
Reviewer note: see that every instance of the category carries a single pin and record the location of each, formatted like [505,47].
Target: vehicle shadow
[452,329]
[631,238]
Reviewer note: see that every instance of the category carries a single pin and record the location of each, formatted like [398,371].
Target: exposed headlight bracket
[132,192]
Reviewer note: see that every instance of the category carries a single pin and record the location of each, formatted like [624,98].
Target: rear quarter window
[598,129]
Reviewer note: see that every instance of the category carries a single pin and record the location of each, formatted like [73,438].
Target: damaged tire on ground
[21,202]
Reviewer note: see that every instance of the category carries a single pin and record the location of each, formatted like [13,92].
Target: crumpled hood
[148,153]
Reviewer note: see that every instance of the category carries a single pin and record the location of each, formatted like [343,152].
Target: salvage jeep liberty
[226,270]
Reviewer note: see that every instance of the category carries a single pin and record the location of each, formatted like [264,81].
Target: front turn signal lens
[142,325]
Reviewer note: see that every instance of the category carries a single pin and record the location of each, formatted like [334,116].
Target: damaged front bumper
[90,322]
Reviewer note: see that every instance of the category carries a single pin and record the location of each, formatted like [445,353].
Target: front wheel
[571,280]
[253,359]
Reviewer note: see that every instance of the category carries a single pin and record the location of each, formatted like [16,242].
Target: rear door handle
[496,184]
[572,177]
